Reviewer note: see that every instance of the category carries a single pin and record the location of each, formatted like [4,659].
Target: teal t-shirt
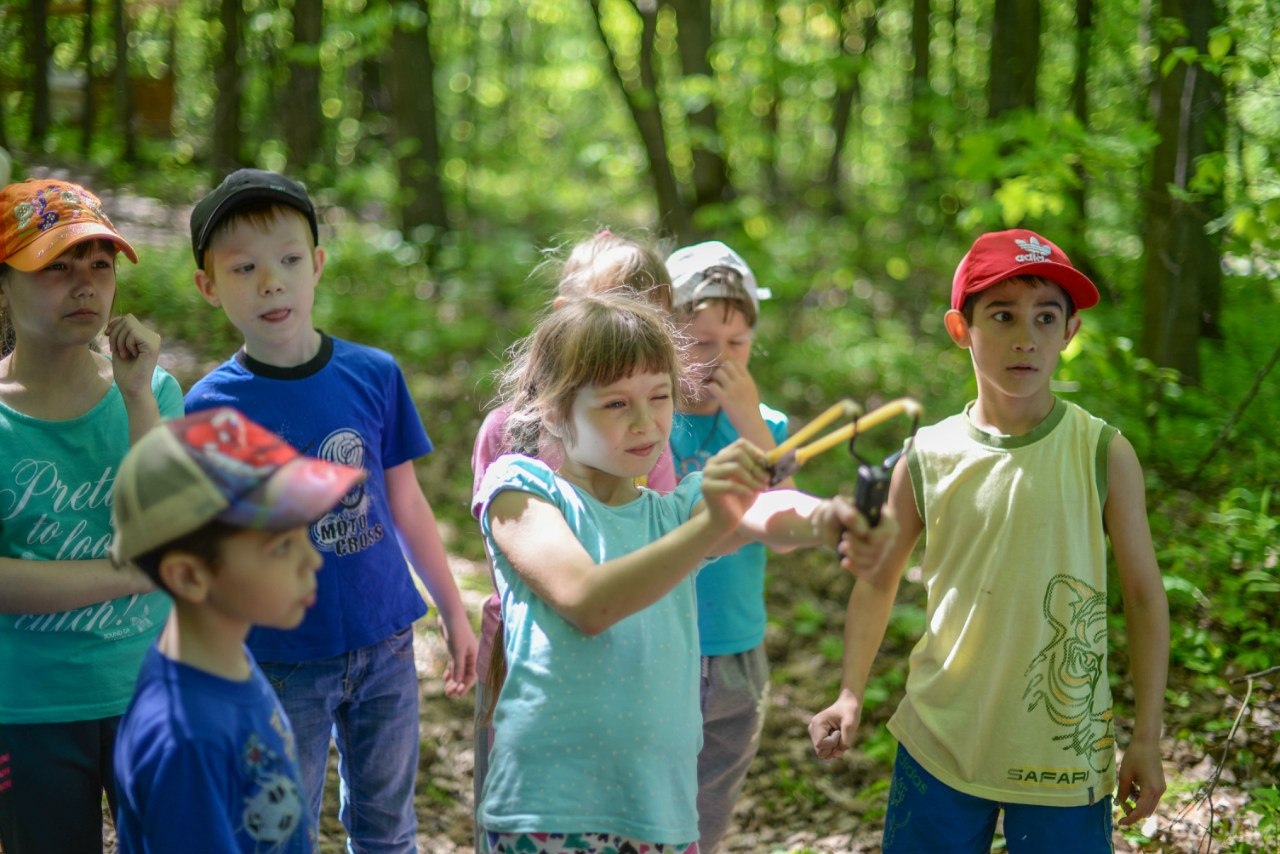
[56,483]
[731,613]
[595,733]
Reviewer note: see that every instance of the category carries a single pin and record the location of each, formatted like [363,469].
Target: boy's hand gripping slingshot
[872,487]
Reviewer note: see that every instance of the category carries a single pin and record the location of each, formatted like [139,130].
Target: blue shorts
[926,814]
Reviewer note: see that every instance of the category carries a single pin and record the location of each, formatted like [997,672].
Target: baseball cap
[41,218]
[690,265]
[1003,255]
[217,464]
[246,185]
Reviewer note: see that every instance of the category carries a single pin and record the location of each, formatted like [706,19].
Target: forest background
[851,151]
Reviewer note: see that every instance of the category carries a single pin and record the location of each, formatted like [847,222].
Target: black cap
[245,185]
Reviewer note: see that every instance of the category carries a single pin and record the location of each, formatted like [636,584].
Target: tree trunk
[1182,271]
[1015,56]
[226,154]
[303,122]
[1080,109]
[124,90]
[772,122]
[86,54]
[415,124]
[38,57]
[694,40]
[920,166]
[642,101]
[848,93]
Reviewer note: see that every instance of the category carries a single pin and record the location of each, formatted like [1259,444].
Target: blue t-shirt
[731,612]
[205,763]
[595,733]
[56,483]
[348,405]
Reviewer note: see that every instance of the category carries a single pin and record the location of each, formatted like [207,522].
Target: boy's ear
[204,283]
[185,575]
[317,261]
[957,328]
[1073,326]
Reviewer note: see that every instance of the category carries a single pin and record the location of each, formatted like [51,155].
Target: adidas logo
[1034,250]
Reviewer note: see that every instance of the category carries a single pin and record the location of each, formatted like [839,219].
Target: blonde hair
[607,261]
[594,340]
[260,214]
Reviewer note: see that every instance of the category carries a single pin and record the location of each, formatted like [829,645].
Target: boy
[348,669]
[1007,700]
[214,509]
[716,303]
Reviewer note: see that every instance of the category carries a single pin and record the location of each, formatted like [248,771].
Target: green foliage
[1264,802]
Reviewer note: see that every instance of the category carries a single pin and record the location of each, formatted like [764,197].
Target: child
[1007,701]
[603,262]
[717,300]
[72,630]
[214,509]
[596,729]
[348,670]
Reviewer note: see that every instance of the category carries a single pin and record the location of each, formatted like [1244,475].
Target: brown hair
[593,341]
[258,213]
[607,261]
[204,542]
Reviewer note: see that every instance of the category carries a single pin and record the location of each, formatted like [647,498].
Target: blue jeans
[366,701]
[926,814]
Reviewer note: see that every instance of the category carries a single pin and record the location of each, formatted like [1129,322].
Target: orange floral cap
[41,218]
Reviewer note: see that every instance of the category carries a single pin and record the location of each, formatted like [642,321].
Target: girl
[73,628]
[603,262]
[596,728]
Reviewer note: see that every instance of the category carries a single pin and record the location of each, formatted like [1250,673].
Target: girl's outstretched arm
[539,544]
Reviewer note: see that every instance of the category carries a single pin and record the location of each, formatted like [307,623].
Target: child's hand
[1141,782]
[862,548]
[460,640]
[731,385]
[134,352]
[731,481]
[831,730]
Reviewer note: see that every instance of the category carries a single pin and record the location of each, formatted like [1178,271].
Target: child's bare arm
[542,548]
[1141,780]
[49,586]
[866,618]
[416,523]
[539,544]
[135,350]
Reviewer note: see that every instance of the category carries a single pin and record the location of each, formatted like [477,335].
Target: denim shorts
[926,814]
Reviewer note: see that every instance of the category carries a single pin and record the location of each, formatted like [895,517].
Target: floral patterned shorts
[580,843]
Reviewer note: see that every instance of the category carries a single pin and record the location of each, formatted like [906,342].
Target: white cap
[688,267]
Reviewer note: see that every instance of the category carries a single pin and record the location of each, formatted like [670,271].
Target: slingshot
[872,486]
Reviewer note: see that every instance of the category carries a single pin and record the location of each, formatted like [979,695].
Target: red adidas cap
[1004,255]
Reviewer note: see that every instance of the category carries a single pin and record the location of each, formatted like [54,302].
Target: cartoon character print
[239,443]
[1068,675]
[273,811]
